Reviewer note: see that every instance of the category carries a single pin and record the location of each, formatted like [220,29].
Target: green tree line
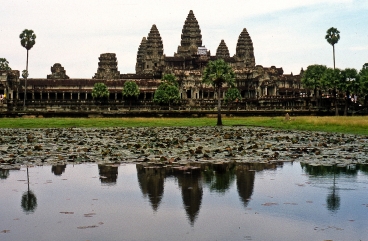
[334,82]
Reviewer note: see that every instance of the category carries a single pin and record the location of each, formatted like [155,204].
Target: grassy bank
[353,125]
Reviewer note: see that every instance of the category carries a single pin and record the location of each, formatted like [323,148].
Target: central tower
[191,37]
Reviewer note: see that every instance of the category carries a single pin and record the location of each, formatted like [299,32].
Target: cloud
[75,33]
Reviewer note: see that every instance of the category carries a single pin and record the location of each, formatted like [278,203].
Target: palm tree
[332,37]
[27,40]
[217,73]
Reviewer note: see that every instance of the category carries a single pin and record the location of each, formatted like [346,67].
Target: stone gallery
[260,87]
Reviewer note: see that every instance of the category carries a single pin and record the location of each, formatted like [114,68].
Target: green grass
[352,125]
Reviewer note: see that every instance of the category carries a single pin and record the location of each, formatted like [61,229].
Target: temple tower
[57,72]
[107,67]
[191,37]
[142,50]
[244,50]
[222,51]
[150,57]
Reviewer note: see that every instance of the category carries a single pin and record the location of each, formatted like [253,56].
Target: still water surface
[93,202]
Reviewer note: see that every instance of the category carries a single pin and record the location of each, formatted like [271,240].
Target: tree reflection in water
[4,173]
[219,176]
[333,171]
[29,199]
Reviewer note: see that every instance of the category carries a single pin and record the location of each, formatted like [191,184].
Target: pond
[226,201]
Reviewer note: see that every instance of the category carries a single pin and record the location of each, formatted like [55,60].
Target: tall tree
[4,64]
[217,73]
[332,37]
[27,40]
[130,90]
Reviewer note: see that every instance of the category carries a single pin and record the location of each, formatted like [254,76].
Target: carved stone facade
[254,81]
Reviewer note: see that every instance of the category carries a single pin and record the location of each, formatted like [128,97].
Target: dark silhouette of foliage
[4,65]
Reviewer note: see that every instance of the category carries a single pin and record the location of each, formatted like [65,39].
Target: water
[286,201]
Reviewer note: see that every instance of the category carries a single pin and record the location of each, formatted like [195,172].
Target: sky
[287,33]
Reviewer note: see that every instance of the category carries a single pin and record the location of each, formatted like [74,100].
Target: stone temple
[260,87]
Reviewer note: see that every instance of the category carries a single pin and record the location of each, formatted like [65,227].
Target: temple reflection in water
[218,177]
[192,179]
[108,174]
[58,170]
[197,201]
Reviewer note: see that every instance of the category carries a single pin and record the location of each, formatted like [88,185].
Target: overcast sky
[287,33]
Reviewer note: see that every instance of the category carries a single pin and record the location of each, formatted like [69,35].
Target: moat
[228,201]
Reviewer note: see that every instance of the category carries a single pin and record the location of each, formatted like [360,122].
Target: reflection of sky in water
[286,204]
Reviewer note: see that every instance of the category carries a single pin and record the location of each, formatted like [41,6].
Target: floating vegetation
[177,144]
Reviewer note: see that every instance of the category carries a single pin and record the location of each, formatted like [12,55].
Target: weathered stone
[107,67]
[57,72]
